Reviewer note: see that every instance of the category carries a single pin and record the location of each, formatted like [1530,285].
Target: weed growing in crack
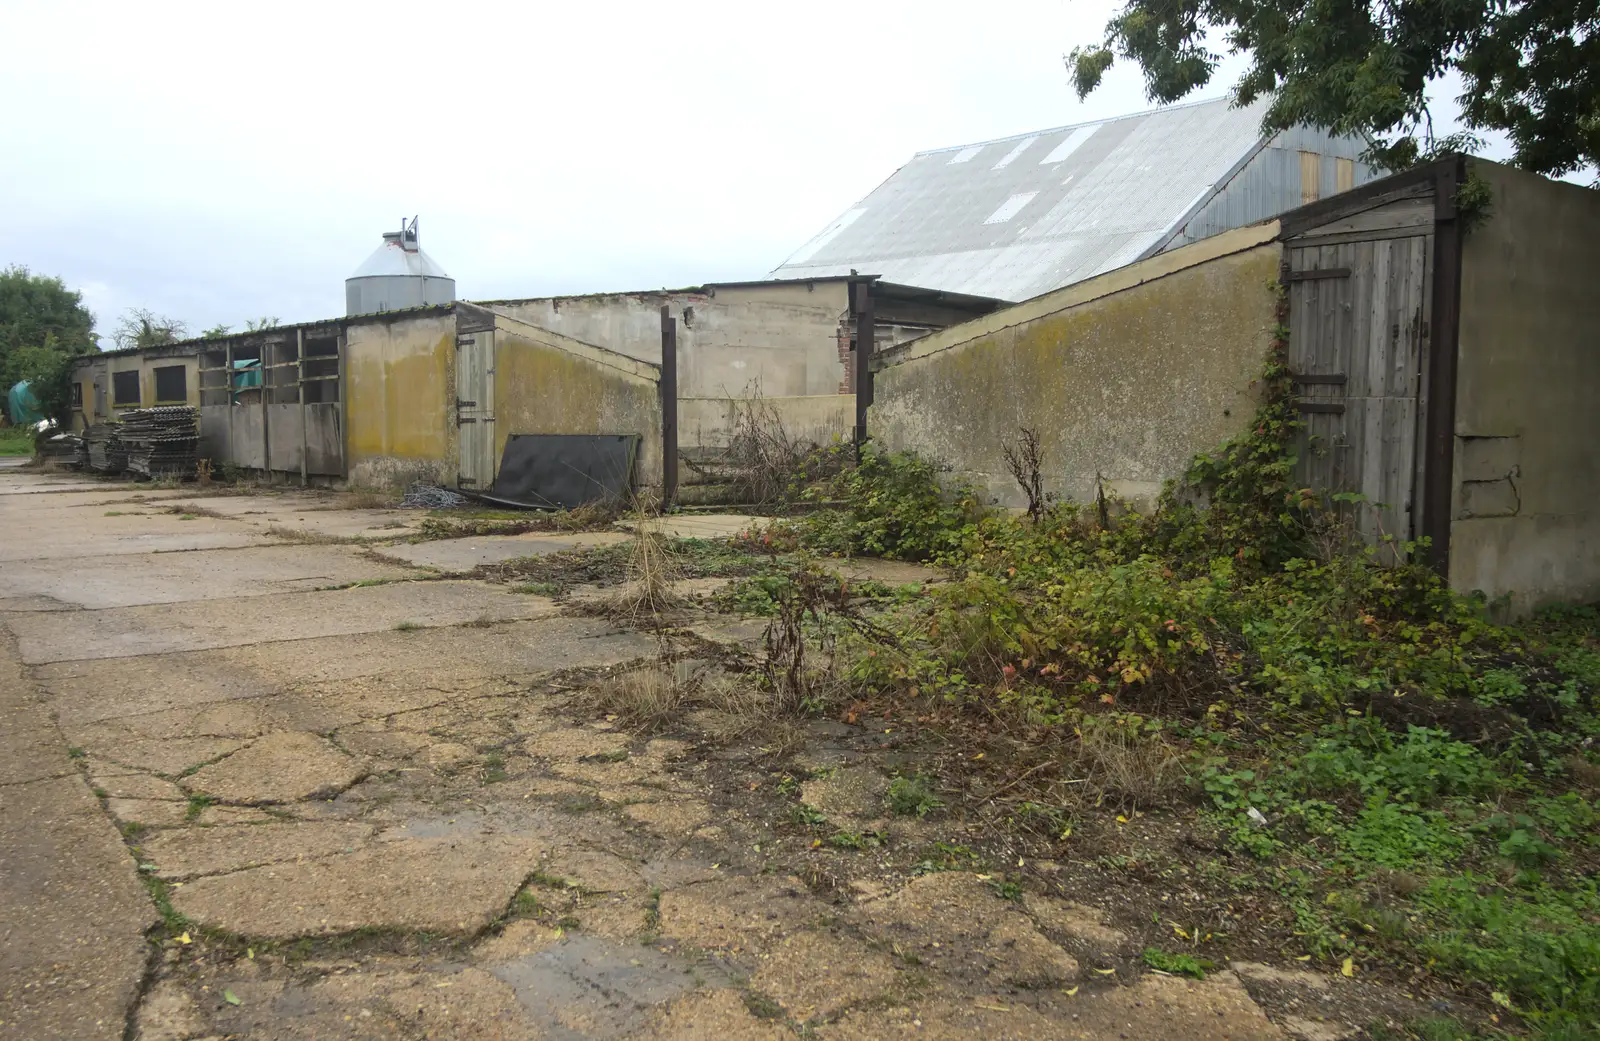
[1177,964]
[197,806]
[912,796]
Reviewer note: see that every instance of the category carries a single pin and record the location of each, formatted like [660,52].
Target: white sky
[217,162]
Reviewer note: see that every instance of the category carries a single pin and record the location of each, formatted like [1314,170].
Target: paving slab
[133,579]
[701,525]
[190,852]
[162,628]
[72,909]
[283,767]
[307,674]
[464,554]
[444,885]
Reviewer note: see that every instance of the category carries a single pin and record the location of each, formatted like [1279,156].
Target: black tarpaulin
[560,471]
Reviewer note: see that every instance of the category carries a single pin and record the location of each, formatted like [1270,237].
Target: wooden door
[1358,347]
[475,411]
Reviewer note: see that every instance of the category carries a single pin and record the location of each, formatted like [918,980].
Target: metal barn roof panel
[1024,215]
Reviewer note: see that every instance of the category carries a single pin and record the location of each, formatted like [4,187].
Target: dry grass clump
[647,592]
[1123,765]
[641,697]
[367,499]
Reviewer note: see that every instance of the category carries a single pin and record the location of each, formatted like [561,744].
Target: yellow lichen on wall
[541,388]
[399,386]
[1124,388]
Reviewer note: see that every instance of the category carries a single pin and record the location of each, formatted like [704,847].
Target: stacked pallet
[161,442]
[106,452]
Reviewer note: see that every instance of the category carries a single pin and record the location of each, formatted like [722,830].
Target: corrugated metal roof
[1024,215]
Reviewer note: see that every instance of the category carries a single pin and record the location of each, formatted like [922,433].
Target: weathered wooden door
[475,453]
[1358,348]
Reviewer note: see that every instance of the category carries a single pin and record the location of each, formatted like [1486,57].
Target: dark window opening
[125,388]
[172,383]
[77,395]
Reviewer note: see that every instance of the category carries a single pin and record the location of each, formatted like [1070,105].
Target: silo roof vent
[400,254]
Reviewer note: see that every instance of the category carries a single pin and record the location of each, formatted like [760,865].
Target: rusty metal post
[669,408]
[866,336]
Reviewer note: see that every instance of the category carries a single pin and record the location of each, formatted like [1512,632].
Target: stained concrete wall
[782,338]
[1526,521]
[1127,375]
[98,368]
[546,383]
[400,399]
[710,423]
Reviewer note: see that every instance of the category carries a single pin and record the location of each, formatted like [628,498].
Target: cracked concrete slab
[818,974]
[956,921]
[72,910]
[589,987]
[198,625]
[441,885]
[287,766]
[407,663]
[210,851]
[452,555]
[63,533]
[135,579]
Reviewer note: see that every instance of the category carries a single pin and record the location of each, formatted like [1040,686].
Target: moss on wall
[1126,386]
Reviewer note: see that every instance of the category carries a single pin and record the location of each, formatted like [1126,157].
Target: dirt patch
[852,795]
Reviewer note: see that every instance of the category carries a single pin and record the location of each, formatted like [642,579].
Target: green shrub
[893,506]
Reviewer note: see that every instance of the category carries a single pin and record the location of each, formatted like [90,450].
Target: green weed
[912,796]
[1177,964]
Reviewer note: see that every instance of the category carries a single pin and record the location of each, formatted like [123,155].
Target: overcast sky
[217,162]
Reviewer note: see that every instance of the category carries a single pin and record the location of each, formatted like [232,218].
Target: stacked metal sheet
[107,454]
[161,442]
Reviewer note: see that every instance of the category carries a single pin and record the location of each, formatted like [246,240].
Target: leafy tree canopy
[1530,68]
[36,310]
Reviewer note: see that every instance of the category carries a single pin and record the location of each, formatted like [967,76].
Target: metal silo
[397,275]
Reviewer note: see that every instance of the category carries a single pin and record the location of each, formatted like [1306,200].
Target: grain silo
[397,275]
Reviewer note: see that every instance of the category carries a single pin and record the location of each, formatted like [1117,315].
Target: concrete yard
[262,777]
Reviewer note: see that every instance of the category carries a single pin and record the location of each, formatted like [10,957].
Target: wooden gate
[1358,349]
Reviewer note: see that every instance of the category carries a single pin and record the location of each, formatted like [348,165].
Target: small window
[125,388]
[77,395]
[172,383]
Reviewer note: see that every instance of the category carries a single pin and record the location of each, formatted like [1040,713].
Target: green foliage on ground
[16,441]
[1417,781]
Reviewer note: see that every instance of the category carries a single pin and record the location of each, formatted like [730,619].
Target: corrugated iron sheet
[1092,197]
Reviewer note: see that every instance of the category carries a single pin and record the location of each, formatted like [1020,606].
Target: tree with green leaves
[141,327]
[43,328]
[1530,68]
[39,311]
